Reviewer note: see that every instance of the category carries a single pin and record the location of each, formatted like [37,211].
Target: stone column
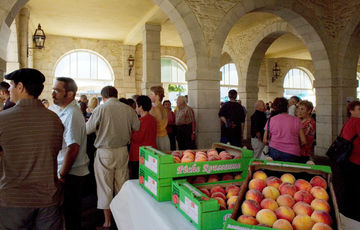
[127,83]
[204,98]
[4,39]
[23,30]
[151,57]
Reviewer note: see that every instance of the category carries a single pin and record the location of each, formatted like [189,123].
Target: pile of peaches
[286,203]
[225,196]
[214,178]
[203,155]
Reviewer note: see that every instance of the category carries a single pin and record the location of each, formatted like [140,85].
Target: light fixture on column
[38,39]
[131,62]
[276,72]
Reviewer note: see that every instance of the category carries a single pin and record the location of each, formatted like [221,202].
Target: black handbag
[341,149]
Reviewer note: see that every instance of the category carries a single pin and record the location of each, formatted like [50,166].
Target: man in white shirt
[113,123]
[73,161]
[292,105]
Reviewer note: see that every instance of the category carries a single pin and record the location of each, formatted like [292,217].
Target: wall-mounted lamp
[131,62]
[38,39]
[276,72]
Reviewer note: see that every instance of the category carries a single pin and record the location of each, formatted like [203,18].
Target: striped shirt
[31,137]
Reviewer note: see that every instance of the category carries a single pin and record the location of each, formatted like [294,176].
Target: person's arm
[135,122]
[222,113]
[69,159]
[265,140]
[302,137]
[92,123]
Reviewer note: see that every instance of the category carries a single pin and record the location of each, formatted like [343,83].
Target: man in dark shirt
[232,117]
[5,95]
[258,121]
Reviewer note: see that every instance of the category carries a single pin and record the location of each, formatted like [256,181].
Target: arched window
[173,78]
[298,83]
[229,80]
[90,71]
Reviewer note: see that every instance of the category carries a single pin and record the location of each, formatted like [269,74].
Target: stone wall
[56,46]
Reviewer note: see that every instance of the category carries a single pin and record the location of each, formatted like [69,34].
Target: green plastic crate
[203,212]
[160,189]
[284,167]
[163,166]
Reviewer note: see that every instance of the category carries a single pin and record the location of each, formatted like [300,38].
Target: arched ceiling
[122,20]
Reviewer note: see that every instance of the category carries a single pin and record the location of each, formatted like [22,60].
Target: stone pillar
[4,39]
[204,98]
[12,58]
[2,69]
[127,83]
[23,30]
[151,57]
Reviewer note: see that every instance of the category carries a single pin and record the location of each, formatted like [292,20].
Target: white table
[133,208]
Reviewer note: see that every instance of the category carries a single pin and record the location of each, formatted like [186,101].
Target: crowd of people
[45,150]
[49,150]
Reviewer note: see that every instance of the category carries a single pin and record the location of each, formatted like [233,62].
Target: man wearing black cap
[30,139]
[5,95]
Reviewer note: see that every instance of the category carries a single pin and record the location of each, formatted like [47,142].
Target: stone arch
[309,31]
[225,59]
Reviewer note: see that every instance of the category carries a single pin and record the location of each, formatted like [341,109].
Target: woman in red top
[145,136]
[309,126]
[352,167]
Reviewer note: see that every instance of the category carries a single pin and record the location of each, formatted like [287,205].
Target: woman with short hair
[285,133]
[185,125]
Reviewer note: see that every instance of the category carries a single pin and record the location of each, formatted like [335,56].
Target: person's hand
[61,180]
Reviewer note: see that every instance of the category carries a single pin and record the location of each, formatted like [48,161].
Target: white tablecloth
[133,208]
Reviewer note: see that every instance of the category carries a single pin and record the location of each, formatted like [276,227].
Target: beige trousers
[111,172]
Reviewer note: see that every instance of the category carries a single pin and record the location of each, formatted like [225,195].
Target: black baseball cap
[26,76]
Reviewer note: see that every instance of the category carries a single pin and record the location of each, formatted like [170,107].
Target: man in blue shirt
[73,161]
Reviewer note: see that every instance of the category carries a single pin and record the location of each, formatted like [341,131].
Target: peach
[186,160]
[285,213]
[302,208]
[285,200]
[321,226]
[201,158]
[287,188]
[273,181]
[302,184]
[212,152]
[177,159]
[282,224]
[214,158]
[266,216]
[213,178]
[231,202]
[303,196]
[257,184]
[221,202]
[217,188]
[269,204]
[233,192]
[199,180]
[237,157]
[318,181]
[237,177]
[226,157]
[218,194]
[319,193]
[288,177]
[198,153]
[246,219]
[205,191]
[302,222]
[176,153]
[224,153]
[322,205]
[250,207]
[189,155]
[188,152]
[322,217]
[271,192]
[254,194]
[260,175]
[227,188]
[227,177]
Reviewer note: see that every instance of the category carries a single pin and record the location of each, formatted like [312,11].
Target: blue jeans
[277,155]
